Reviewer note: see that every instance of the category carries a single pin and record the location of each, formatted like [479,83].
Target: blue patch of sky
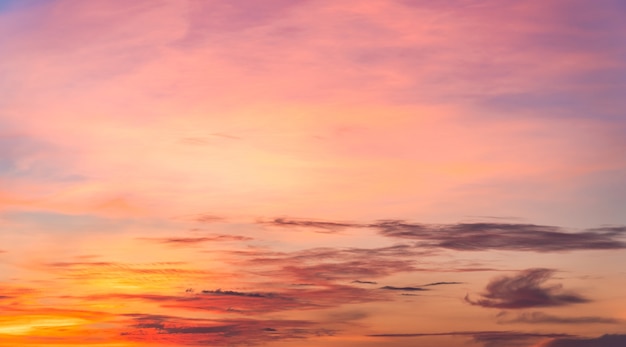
[37,221]
[9,5]
[15,151]
[60,222]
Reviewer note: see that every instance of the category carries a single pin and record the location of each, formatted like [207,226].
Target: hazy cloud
[197,240]
[440,283]
[320,226]
[235,293]
[216,332]
[525,290]
[543,318]
[488,338]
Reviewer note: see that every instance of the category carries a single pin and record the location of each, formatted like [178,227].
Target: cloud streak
[487,338]
[197,240]
[498,236]
[544,318]
[217,332]
[481,236]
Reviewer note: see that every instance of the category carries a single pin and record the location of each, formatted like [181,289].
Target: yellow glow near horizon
[29,324]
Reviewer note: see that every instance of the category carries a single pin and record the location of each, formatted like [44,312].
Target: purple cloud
[525,290]
[618,340]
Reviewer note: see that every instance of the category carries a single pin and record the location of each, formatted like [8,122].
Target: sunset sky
[313,173]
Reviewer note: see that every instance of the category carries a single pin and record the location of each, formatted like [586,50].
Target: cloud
[257,302]
[617,340]
[525,290]
[236,293]
[480,236]
[516,237]
[320,226]
[487,338]
[347,269]
[441,283]
[364,282]
[208,218]
[543,318]
[217,332]
[197,240]
[406,289]
[322,265]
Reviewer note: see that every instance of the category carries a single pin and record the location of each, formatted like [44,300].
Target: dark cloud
[440,283]
[525,290]
[364,282]
[480,236]
[405,289]
[517,237]
[617,340]
[543,318]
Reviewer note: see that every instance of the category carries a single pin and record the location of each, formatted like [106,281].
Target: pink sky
[312,173]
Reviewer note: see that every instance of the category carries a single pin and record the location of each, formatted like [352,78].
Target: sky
[312,173]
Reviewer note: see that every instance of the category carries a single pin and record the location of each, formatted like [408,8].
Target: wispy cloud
[197,240]
[516,237]
[544,318]
[364,282]
[404,289]
[440,283]
[217,332]
[481,236]
[318,226]
[525,290]
[487,338]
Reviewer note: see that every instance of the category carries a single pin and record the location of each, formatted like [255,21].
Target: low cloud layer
[220,332]
[487,338]
[617,340]
[525,290]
